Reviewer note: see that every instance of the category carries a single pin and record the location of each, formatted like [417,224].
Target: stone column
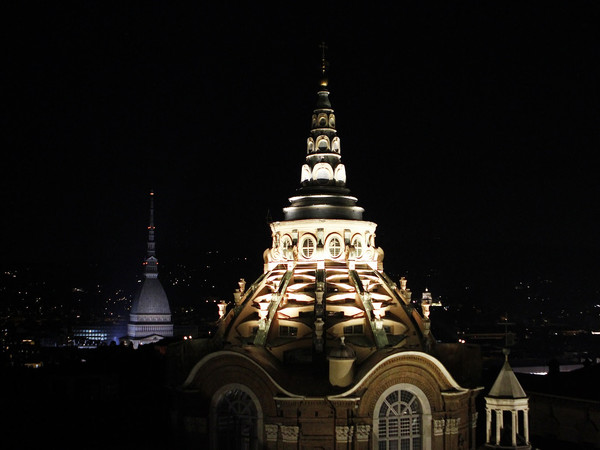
[498,424]
[488,425]
[513,431]
[526,424]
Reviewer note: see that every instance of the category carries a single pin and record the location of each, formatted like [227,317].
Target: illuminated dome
[324,350]
[323,274]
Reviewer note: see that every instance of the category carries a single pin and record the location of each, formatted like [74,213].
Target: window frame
[308,238]
[425,415]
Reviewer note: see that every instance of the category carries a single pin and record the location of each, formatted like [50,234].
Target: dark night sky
[469,129]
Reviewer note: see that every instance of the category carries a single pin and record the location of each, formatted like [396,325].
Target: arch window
[308,246]
[332,121]
[306,173]
[357,242]
[236,421]
[322,172]
[334,246]
[335,144]
[286,246]
[323,143]
[340,173]
[399,420]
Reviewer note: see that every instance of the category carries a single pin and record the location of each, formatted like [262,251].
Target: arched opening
[358,246]
[308,246]
[322,174]
[402,419]
[335,144]
[334,245]
[323,143]
[236,417]
[286,247]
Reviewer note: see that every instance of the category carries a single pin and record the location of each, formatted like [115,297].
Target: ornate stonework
[289,433]
[271,431]
[363,432]
[344,434]
[452,425]
[438,426]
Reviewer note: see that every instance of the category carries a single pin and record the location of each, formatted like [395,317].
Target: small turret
[341,364]
[507,408]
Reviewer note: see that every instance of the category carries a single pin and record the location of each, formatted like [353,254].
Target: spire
[151,263]
[323,194]
[506,384]
[324,65]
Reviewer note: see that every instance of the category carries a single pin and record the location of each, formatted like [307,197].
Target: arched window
[335,144]
[402,419]
[340,173]
[306,173]
[358,246]
[322,172]
[286,246]
[322,143]
[334,245]
[236,421]
[308,246]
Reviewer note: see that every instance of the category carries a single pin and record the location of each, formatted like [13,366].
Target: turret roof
[506,384]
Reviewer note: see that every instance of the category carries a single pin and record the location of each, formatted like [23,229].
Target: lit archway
[402,419]
[236,418]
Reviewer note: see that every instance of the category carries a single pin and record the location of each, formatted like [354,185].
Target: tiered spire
[323,194]
[151,263]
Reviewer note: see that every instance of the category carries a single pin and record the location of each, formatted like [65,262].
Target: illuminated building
[150,315]
[324,350]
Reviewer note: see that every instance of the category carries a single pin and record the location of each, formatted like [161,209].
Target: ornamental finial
[324,64]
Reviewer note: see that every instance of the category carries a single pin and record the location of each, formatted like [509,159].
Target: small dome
[342,352]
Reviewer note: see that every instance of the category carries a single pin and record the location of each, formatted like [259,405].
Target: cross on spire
[324,64]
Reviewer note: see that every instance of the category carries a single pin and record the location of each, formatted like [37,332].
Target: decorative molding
[289,434]
[363,432]
[408,376]
[271,431]
[438,426]
[452,425]
[344,434]
[474,417]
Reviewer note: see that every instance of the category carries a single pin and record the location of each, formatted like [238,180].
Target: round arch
[322,171]
[244,421]
[412,424]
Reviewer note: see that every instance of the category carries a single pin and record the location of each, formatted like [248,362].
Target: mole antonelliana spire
[150,315]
